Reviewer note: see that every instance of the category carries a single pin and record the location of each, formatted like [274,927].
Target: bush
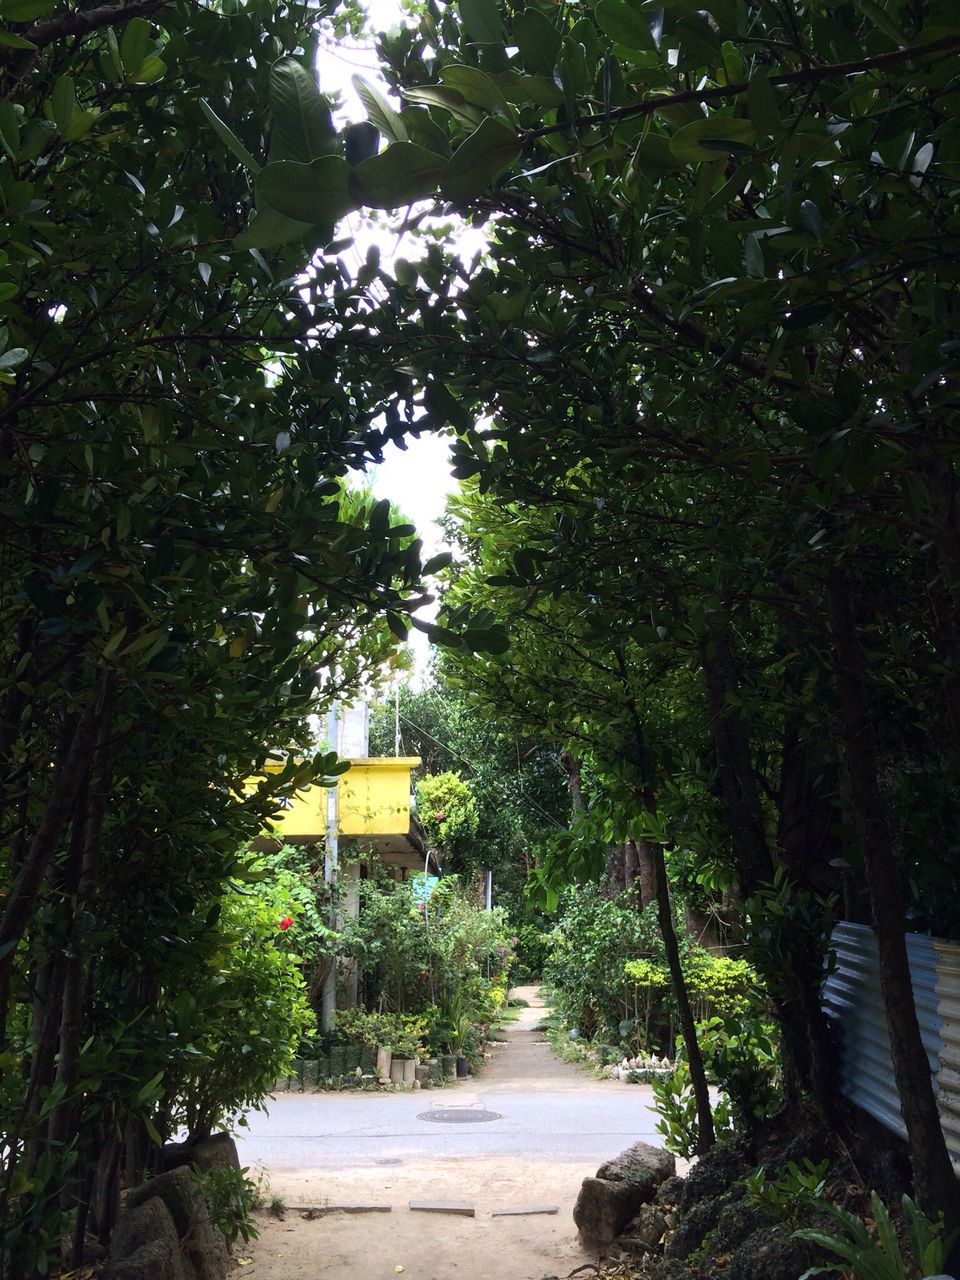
[532,949]
[238,1028]
[589,946]
[230,1198]
[441,961]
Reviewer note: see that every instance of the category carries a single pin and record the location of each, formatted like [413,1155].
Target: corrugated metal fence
[853,1000]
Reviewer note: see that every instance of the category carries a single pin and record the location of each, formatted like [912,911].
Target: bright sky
[416,480]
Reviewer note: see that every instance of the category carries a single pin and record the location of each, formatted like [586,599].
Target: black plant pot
[463,1068]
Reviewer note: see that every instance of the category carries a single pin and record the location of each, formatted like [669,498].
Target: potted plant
[460,1033]
[406,1035]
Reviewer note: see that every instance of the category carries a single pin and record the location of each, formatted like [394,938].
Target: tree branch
[809,75]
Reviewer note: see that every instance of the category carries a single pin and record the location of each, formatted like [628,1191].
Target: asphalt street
[344,1131]
[548,1110]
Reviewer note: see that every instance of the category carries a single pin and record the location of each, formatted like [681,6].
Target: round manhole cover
[458,1115]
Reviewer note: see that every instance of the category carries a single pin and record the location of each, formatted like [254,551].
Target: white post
[328,1007]
[489,890]
[396,720]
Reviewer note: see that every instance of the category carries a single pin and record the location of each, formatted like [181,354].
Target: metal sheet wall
[852,998]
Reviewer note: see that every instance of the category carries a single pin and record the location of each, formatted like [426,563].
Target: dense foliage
[427,952]
[183,574]
[705,380]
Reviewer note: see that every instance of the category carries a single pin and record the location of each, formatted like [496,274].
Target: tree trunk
[64,788]
[738,781]
[646,874]
[571,766]
[698,1079]
[936,1186]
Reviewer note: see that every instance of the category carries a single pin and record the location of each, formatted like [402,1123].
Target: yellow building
[373,805]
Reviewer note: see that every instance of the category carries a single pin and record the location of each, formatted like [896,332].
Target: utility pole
[328,1007]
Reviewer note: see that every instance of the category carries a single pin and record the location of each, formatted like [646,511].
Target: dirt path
[381,1246]
[527,1060]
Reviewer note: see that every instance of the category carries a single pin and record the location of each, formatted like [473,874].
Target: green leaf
[64,102]
[152,68]
[481,20]
[310,193]
[477,88]
[13,41]
[381,114]
[705,139]
[269,229]
[228,137]
[624,25]
[480,160]
[493,640]
[437,95]
[14,357]
[134,44]
[396,177]
[810,219]
[753,256]
[422,130]
[882,20]
[25,10]
[762,106]
[528,90]
[9,128]
[303,128]
[538,41]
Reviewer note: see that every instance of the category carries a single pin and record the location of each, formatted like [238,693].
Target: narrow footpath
[526,1060]
[521,1135]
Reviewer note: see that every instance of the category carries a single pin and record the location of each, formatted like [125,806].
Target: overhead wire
[445,746]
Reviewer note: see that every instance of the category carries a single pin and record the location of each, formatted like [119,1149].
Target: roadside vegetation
[700,638]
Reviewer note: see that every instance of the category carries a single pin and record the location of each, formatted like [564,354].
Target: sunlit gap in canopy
[417,479]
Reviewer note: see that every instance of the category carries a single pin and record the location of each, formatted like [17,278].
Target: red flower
[439,817]
[285,924]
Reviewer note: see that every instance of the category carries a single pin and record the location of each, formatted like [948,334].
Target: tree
[725,247]
[184,574]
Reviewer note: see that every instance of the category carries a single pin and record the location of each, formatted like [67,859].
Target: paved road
[550,1111]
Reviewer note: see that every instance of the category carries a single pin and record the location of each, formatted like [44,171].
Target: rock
[650,1225]
[647,1228]
[216,1152]
[157,1260]
[642,1166]
[694,1227]
[771,1254]
[143,1224]
[610,1200]
[201,1240]
[670,1191]
[179,1191]
[219,1151]
[603,1209]
[712,1175]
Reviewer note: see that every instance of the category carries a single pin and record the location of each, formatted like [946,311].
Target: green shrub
[230,1196]
[589,946]
[880,1257]
[676,1109]
[238,1028]
[720,986]
[447,811]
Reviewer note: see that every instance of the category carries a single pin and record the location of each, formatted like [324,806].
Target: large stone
[216,1152]
[201,1240]
[613,1198]
[143,1224]
[219,1151]
[642,1166]
[179,1191]
[157,1260]
[603,1209]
